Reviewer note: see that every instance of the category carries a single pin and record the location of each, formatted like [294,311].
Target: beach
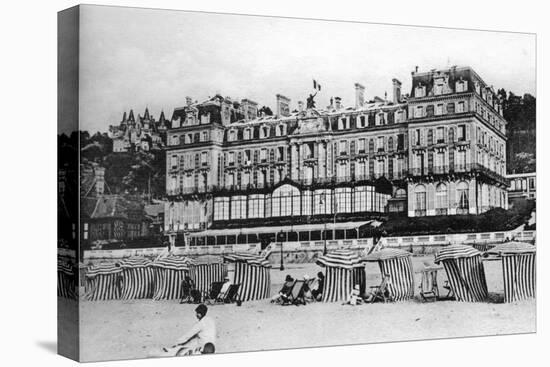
[132,329]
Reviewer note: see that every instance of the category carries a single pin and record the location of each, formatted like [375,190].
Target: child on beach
[201,338]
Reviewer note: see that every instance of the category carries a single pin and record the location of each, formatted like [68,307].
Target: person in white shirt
[193,341]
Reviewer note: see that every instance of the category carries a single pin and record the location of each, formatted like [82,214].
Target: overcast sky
[133,58]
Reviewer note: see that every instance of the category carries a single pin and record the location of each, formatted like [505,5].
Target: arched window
[463,200]
[286,201]
[441,199]
[420,201]
[400,193]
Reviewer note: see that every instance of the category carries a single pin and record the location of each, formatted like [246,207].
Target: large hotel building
[240,174]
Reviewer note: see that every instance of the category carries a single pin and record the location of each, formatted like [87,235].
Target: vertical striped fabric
[398,265]
[519,276]
[253,274]
[401,285]
[103,282]
[204,274]
[168,275]
[465,272]
[518,269]
[66,281]
[343,271]
[137,278]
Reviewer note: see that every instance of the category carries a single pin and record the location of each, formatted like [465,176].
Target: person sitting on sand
[318,292]
[197,338]
[283,293]
[354,298]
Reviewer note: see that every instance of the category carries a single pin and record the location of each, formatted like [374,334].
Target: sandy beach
[131,329]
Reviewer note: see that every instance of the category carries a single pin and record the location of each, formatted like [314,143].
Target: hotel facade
[237,173]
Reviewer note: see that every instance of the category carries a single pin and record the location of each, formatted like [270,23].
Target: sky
[134,58]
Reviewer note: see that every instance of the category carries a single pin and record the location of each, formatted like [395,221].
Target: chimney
[359,95]
[300,106]
[188,101]
[338,102]
[283,105]
[396,90]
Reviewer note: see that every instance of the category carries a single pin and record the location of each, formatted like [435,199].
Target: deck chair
[213,292]
[450,293]
[296,294]
[230,296]
[428,285]
[381,292]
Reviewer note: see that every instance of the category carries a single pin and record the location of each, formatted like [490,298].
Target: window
[417,140]
[441,199]
[380,119]
[420,200]
[461,86]
[420,91]
[174,161]
[343,200]
[461,107]
[462,194]
[380,143]
[429,110]
[238,207]
[247,157]
[381,168]
[450,108]
[281,130]
[263,155]
[361,146]
[361,170]
[231,158]
[247,134]
[221,208]
[285,201]
[360,199]
[399,116]
[438,89]
[439,135]
[362,122]
[256,206]
[439,109]
[175,140]
[343,123]
[204,158]
[461,132]
[390,144]
[322,202]
[419,112]
[265,132]
[232,135]
[280,154]
[205,136]
[343,147]
[308,150]
[306,202]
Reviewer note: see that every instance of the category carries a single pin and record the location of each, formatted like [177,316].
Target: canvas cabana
[253,274]
[66,284]
[137,278]
[169,272]
[344,270]
[203,275]
[518,269]
[465,272]
[103,282]
[398,265]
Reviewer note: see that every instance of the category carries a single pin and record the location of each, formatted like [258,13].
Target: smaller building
[523,186]
[141,134]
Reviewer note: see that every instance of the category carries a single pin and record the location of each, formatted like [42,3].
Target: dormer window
[175,140]
[461,86]
[380,119]
[440,85]
[205,119]
[343,123]
[362,122]
[420,91]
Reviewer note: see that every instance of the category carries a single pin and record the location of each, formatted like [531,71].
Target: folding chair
[428,285]
[214,292]
[381,292]
[230,296]
[296,294]
[450,293]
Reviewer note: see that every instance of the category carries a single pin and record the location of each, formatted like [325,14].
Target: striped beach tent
[204,274]
[103,282]
[465,272]
[169,273]
[398,265]
[66,280]
[518,269]
[344,270]
[253,274]
[137,278]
